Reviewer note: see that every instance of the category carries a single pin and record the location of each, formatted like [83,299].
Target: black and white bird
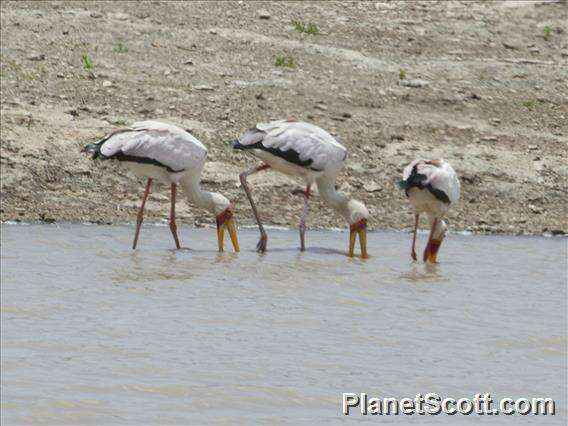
[309,152]
[431,187]
[169,155]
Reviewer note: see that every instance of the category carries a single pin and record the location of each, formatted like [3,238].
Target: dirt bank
[483,85]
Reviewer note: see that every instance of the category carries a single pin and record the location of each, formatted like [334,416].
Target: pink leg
[173,226]
[413,252]
[427,250]
[306,194]
[141,213]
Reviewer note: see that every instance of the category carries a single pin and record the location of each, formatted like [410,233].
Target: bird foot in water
[302,236]
[261,246]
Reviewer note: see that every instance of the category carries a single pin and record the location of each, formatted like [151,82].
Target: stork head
[224,214]
[356,214]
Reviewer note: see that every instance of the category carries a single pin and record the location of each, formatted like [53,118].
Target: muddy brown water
[93,333]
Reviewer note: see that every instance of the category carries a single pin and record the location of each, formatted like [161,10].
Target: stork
[170,155]
[304,150]
[431,187]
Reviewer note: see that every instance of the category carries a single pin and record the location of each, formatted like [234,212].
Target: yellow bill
[225,221]
[358,228]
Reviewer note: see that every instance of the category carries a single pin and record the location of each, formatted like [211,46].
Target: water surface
[95,333]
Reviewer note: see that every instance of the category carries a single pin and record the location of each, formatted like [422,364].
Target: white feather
[442,177]
[309,141]
[165,143]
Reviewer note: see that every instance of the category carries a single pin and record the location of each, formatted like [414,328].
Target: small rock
[60,75]
[372,187]
[495,121]
[464,127]
[397,137]
[96,15]
[204,88]
[356,167]
[73,112]
[414,83]
[321,107]
[532,147]
[473,96]
[263,14]
[36,57]
[508,45]
[346,115]
[121,16]
[489,139]
[107,83]
[115,120]
[213,32]
[557,232]
[46,219]
[188,62]
[452,99]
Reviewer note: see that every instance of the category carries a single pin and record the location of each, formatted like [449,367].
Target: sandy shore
[483,85]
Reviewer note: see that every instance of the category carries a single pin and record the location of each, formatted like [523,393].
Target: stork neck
[333,198]
[439,228]
[192,189]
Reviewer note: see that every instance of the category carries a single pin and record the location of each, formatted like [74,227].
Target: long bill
[358,228]
[225,221]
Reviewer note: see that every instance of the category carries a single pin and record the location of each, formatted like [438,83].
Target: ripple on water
[95,333]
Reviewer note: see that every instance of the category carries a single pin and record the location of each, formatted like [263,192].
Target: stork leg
[413,251]
[427,250]
[173,226]
[302,227]
[261,246]
[141,214]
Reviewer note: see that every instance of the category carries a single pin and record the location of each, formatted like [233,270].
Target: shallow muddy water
[95,333]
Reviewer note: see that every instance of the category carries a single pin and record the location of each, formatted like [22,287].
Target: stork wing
[301,143]
[445,179]
[164,144]
[440,178]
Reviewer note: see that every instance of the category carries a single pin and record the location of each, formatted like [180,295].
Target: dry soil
[482,84]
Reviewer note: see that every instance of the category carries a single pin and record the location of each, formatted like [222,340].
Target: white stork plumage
[307,151]
[431,187]
[170,155]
